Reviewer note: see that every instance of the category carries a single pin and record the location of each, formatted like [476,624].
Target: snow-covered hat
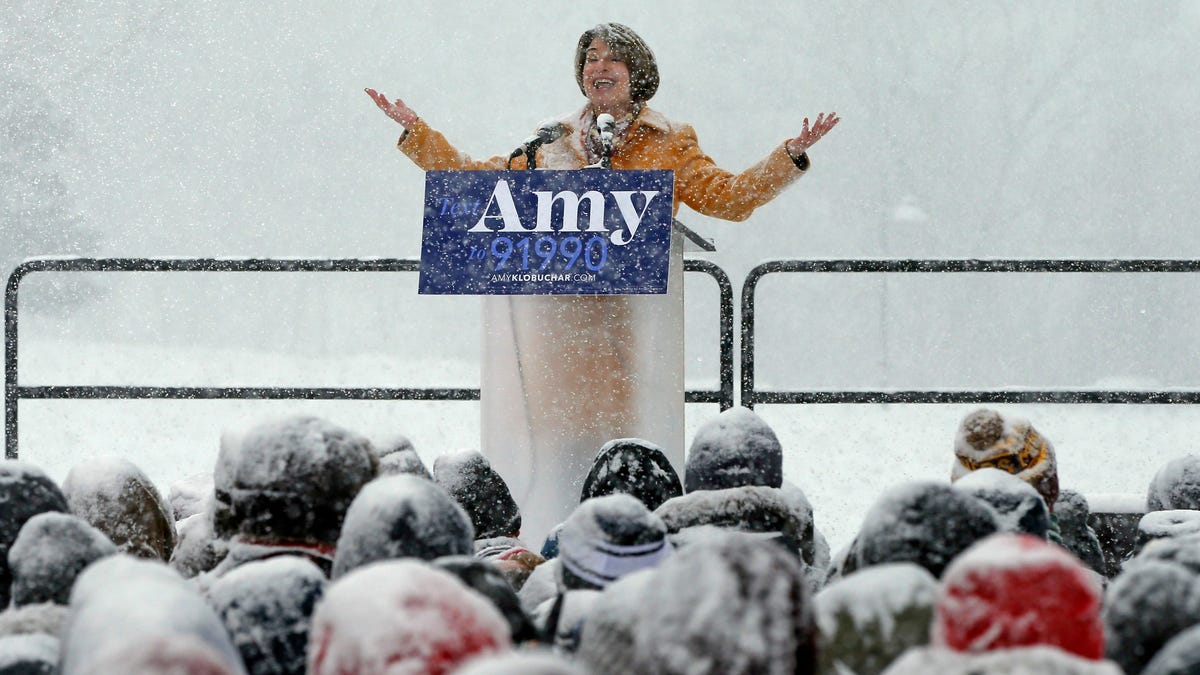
[1015,590]
[606,538]
[119,499]
[470,479]
[924,523]
[25,491]
[267,605]
[869,618]
[1176,485]
[749,509]
[606,643]
[1180,656]
[634,467]
[50,551]
[1019,507]
[1165,524]
[402,517]
[1151,601]
[986,438]
[289,480]
[397,455]
[402,616]
[735,448]
[728,606]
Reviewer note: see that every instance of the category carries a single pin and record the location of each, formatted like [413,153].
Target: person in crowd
[25,491]
[398,455]
[471,481]
[488,579]
[1153,599]
[283,486]
[1018,507]
[402,616]
[538,347]
[987,438]
[266,607]
[635,467]
[402,517]
[1175,486]
[120,500]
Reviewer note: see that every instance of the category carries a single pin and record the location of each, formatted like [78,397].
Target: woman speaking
[562,375]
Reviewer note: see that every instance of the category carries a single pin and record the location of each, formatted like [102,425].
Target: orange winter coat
[652,142]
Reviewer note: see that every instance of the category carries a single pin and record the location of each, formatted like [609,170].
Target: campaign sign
[584,232]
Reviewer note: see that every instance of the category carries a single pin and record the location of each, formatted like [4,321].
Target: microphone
[606,124]
[547,133]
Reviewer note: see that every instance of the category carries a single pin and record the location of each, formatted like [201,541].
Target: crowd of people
[310,549]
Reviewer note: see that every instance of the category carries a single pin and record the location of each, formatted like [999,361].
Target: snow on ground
[842,456]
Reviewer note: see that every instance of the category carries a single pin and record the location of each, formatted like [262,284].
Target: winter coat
[653,142]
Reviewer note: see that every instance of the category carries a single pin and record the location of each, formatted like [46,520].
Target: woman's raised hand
[396,110]
[810,135]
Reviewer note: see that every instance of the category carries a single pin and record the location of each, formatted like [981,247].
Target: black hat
[608,537]
[289,480]
[25,491]
[634,467]
[733,449]
[402,517]
[468,477]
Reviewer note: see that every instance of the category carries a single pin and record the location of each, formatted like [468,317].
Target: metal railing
[14,392]
[750,395]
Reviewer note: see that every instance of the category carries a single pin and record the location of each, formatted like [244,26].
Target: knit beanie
[470,479]
[986,438]
[733,449]
[50,551]
[606,538]
[1015,590]
[634,467]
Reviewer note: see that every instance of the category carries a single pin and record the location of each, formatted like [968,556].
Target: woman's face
[606,80]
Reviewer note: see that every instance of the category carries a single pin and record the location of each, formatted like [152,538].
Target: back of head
[1176,485]
[402,517]
[630,48]
[706,599]
[780,514]
[1151,601]
[985,438]
[289,480]
[734,449]
[49,553]
[487,579]
[25,491]
[634,467]
[137,616]
[117,498]
[1018,507]
[924,523]
[472,482]
[267,608]
[1014,590]
[608,537]
[402,616]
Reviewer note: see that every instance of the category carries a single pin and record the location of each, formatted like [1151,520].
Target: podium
[574,355]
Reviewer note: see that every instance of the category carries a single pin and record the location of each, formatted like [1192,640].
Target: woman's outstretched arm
[427,147]
[397,109]
[809,136]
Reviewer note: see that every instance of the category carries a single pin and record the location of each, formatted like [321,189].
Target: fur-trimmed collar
[568,152]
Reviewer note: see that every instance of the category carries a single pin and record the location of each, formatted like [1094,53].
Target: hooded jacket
[653,142]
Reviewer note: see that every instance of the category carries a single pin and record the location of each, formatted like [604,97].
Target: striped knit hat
[606,538]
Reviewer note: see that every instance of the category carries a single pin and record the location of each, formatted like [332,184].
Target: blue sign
[584,232]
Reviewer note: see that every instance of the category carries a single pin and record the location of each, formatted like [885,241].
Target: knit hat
[924,523]
[487,579]
[468,477]
[119,499]
[1019,508]
[1015,590]
[289,480]
[50,551]
[634,467]
[988,439]
[733,449]
[402,616]
[606,538]
[267,606]
[401,517]
[25,491]
[1176,485]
